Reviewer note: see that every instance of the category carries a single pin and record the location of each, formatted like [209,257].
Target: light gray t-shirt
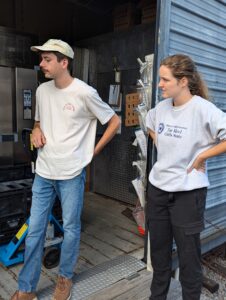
[68,119]
[182,132]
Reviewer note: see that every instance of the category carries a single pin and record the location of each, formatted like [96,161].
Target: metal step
[99,277]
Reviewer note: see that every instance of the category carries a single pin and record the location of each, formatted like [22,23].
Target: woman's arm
[203,156]
[152,135]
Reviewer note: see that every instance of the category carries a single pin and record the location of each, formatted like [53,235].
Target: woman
[187,130]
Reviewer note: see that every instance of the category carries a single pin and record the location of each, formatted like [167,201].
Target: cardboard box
[148,11]
[123,16]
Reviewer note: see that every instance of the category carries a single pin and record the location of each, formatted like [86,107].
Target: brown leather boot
[18,295]
[63,289]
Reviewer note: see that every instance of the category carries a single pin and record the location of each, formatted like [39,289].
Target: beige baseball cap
[55,45]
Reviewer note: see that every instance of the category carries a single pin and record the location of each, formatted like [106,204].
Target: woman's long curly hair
[183,66]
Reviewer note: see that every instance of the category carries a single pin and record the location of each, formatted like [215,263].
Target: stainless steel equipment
[26,84]
[17,105]
[6,115]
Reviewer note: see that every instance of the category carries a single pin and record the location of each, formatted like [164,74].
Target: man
[66,115]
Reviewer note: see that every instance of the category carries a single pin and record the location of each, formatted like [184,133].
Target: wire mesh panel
[114,172]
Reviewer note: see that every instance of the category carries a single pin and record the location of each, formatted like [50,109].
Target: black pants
[178,215]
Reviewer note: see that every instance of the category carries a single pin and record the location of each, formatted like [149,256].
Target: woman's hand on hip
[199,164]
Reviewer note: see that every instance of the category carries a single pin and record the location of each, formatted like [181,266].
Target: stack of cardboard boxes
[148,11]
[124,16]
[129,14]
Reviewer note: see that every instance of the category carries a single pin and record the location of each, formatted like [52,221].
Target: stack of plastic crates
[13,202]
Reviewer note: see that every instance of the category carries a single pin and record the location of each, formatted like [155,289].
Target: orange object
[141,230]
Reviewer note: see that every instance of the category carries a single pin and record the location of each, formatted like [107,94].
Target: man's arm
[113,126]
[37,138]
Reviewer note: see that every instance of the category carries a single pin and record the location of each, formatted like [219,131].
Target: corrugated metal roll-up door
[198,29]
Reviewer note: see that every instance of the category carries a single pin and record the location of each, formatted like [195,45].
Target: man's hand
[37,138]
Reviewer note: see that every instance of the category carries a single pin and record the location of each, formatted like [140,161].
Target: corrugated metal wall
[198,28]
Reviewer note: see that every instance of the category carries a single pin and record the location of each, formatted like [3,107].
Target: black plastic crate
[13,203]
[9,173]
[13,213]
[9,226]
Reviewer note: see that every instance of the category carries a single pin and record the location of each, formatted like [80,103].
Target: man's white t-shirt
[183,132]
[68,119]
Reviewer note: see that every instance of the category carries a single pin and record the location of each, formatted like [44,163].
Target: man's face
[50,66]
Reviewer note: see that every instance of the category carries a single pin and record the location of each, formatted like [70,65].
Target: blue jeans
[44,191]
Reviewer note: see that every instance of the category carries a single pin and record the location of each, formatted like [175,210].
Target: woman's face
[169,85]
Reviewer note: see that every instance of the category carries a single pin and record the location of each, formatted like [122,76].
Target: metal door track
[99,277]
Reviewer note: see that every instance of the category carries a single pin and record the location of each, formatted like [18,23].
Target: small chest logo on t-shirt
[161,128]
[69,106]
